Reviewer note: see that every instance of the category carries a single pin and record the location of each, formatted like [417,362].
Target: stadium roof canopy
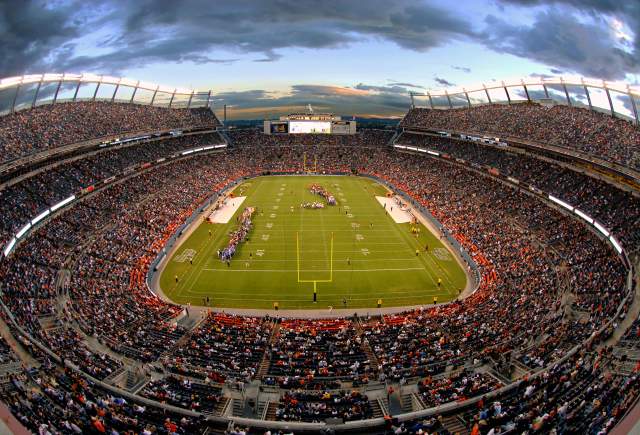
[616,98]
[23,92]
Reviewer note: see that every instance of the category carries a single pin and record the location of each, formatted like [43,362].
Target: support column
[486,91]
[95,93]
[15,97]
[154,95]
[506,91]
[586,92]
[190,97]
[566,94]
[35,96]
[613,113]
[75,94]
[634,106]
[55,96]
[113,97]
[526,91]
[135,89]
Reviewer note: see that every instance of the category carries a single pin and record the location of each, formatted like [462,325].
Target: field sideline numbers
[186,255]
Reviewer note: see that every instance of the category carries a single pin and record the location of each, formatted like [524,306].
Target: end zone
[226,210]
[399,216]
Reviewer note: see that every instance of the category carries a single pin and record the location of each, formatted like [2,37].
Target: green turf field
[354,251]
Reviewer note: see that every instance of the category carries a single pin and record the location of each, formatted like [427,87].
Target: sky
[265,58]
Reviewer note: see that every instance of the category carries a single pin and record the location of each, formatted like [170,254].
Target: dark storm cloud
[461,68]
[567,35]
[559,38]
[29,33]
[443,82]
[146,31]
[405,85]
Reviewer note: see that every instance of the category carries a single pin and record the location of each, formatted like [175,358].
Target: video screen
[309,127]
[279,128]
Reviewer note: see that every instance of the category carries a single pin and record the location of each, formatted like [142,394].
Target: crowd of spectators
[316,407]
[223,346]
[456,388]
[184,393]
[595,133]
[318,348]
[108,241]
[55,401]
[26,199]
[28,131]
[617,209]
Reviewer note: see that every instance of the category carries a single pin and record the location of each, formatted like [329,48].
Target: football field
[352,252]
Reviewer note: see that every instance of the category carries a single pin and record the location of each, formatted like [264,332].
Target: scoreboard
[309,123]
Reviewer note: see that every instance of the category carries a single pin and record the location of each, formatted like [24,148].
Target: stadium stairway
[377,407]
[270,411]
[410,402]
[20,351]
[263,368]
[371,356]
[632,313]
[220,407]
[134,382]
[226,137]
[455,425]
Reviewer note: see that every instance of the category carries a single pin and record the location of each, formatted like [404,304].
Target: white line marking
[316,270]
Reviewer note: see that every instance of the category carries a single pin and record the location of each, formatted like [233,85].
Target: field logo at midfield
[186,255]
[442,254]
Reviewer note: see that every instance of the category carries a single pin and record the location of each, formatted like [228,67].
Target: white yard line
[314,270]
[224,214]
[398,215]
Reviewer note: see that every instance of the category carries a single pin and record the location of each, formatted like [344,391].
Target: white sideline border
[398,215]
[224,214]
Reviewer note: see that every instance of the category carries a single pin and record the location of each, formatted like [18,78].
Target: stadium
[469,268]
